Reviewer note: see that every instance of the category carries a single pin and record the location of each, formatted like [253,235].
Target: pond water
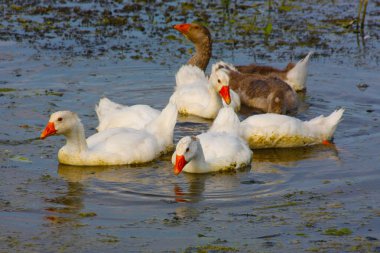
[318,199]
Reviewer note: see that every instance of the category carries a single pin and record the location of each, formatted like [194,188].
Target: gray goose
[294,75]
[268,94]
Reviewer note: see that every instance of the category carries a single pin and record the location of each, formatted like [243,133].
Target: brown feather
[266,93]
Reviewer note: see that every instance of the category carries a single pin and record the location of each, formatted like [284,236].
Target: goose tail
[327,124]
[104,108]
[296,77]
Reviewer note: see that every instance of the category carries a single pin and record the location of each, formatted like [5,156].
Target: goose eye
[60,119]
[218,80]
[187,150]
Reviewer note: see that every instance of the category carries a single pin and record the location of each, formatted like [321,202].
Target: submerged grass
[338,232]
[210,248]
[287,204]
[3,90]
[94,31]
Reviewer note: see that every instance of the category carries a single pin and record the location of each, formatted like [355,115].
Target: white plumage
[296,77]
[194,94]
[114,146]
[280,131]
[218,149]
[112,115]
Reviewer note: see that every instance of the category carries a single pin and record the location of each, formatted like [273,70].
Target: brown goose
[268,94]
[293,74]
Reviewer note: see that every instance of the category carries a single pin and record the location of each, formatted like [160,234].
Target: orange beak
[180,162]
[182,28]
[225,94]
[49,130]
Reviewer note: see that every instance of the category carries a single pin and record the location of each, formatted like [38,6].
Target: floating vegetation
[338,232]
[107,26]
[361,15]
[210,248]
[3,90]
[51,92]
[109,239]
[86,215]
[18,158]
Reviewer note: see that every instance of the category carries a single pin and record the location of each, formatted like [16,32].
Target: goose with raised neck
[294,75]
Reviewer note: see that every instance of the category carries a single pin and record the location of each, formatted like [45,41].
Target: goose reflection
[80,174]
[218,185]
[67,206]
[270,163]
[151,181]
[290,156]
[228,185]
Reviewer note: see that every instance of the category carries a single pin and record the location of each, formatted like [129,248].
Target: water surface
[287,200]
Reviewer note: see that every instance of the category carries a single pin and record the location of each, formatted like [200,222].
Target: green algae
[19,158]
[3,90]
[88,214]
[210,248]
[280,141]
[302,235]
[338,232]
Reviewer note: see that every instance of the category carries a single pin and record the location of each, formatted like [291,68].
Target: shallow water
[286,201]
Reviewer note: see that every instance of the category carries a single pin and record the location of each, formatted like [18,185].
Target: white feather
[278,131]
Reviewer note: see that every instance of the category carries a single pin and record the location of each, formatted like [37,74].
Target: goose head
[196,33]
[61,122]
[220,80]
[187,148]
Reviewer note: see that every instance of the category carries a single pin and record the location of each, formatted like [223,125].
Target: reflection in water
[156,182]
[290,156]
[219,185]
[67,207]
[83,173]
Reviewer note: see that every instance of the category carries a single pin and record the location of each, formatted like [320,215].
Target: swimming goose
[218,149]
[114,146]
[264,93]
[195,95]
[293,74]
[281,131]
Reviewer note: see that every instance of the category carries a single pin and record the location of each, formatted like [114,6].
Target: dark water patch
[18,142]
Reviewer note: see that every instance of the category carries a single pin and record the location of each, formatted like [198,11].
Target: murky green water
[286,202]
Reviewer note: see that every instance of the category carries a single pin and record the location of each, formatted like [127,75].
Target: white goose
[281,131]
[115,146]
[195,95]
[218,149]
[112,115]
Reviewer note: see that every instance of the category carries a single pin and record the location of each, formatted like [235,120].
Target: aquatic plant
[362,10]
